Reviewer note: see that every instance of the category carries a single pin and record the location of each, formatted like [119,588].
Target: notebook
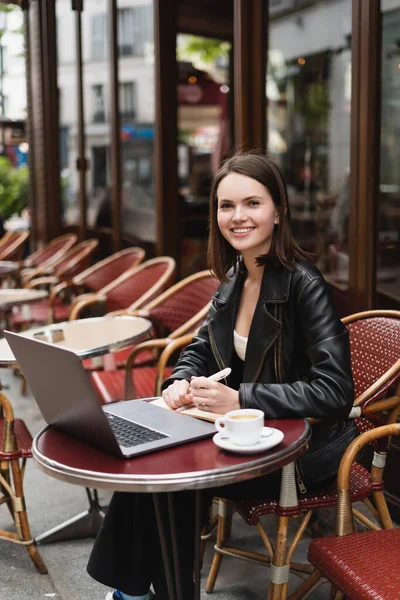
[191,411]
[67,400]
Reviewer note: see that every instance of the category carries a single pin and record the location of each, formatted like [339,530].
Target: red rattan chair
[179,310]
[15,448]
[360,566]
[74,261]
[51,252]
[375,357]
[145,382]
[133,289]
[13,247]
[58,306]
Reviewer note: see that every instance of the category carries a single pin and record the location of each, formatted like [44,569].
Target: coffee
[243,417]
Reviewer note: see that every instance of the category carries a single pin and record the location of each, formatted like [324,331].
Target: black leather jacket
[297,361]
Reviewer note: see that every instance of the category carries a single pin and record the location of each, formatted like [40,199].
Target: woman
[272,321]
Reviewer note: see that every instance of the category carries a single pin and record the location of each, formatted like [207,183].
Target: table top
[13,296]
[194,465]
[89,337]
[8,266]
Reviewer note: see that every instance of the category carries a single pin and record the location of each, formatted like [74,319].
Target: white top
[240,344]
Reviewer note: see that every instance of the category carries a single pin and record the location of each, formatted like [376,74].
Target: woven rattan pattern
[364,566]
[24,438]
[134,287]
[375,347]
[101,277]
[360,487]
[184,304]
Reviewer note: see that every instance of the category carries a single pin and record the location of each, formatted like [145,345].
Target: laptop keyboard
[131,434]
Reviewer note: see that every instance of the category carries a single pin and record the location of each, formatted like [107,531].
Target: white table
[88,338]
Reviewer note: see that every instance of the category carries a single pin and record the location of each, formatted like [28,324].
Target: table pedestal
[85,524]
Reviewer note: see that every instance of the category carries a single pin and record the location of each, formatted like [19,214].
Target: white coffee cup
[243,427]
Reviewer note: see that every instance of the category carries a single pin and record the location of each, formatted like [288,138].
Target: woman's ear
[276,222]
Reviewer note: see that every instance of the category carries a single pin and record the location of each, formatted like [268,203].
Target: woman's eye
[225,205]
[254,203]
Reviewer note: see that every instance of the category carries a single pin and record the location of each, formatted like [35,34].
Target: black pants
[127,553]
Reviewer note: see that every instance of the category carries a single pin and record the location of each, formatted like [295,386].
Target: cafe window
[134,30]
[99,113]
[127,100]
[99,36]
[309,99]
[388,243]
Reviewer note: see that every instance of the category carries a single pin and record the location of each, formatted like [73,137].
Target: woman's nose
[239,214]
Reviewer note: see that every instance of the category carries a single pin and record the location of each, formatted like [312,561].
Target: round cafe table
[193,466]
[88,338]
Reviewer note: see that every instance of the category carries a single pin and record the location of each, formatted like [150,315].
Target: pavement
[50,502]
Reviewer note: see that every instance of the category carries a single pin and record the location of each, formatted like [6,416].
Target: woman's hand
[212,396]
[176,394]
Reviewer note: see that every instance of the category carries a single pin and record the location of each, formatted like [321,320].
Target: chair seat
[39,313]
[110,385]
[120,359]
[364,566]
[360,487]
[24,440]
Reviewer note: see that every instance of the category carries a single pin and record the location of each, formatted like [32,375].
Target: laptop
[67,400]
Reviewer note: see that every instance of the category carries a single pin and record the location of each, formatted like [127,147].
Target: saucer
[265,443]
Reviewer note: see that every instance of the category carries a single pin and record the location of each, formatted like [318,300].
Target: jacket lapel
[265,328]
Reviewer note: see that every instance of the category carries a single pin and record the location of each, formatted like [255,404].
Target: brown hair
[284,249]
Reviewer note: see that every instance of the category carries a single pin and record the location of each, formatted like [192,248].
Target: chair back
[178,305]
[13,247]
[140,284]
[105,271]
[51,252]
[375,352]
[76,259]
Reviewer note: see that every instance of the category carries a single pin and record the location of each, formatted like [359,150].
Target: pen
[215,377]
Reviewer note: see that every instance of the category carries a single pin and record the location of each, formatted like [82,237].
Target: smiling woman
[273,323]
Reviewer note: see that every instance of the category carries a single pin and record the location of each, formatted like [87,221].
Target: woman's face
[246,214]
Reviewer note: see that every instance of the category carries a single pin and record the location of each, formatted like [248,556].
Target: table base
[84,525]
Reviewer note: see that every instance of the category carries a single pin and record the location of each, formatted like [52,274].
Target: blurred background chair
[13,247]
[143,382]
[15,448]
[375,359]
[359,565]
[132,289]
[92,279]
[48,254]
[75,260]
[179,310]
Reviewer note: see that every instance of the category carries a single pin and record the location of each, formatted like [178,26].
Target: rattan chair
[179,310]
[74,261]
[15,448]
[375,357]
[359,565]
[12,248]
[134,288]
[51,252]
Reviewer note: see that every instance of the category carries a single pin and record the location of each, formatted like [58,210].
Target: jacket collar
[265,327]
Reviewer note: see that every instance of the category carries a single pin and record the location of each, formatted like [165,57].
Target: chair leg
[277,584]
[224,520]
[21,518]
